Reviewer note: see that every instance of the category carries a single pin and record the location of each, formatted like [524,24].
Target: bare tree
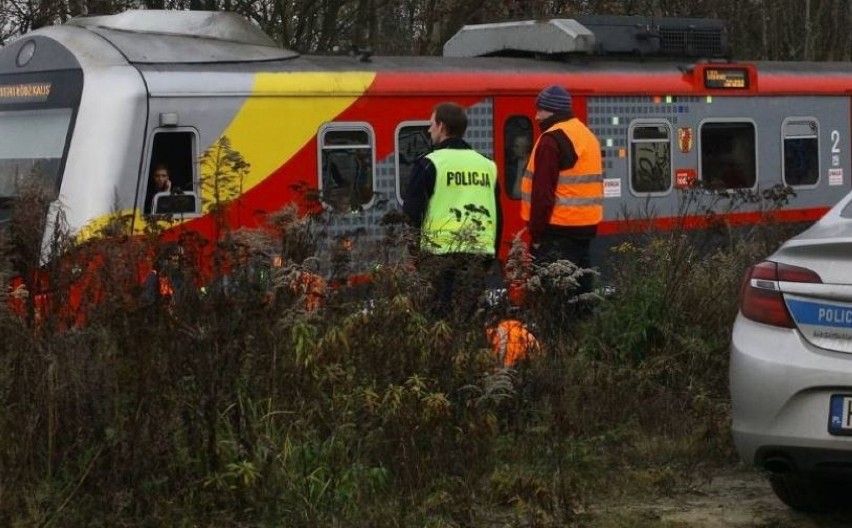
[758,29]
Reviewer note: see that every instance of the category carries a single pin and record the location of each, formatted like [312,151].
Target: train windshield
[32,143]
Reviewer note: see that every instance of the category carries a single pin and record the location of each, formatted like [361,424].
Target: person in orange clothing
[562,187]
[511,341]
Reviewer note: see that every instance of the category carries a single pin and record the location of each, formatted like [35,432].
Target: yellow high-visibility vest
[462,213]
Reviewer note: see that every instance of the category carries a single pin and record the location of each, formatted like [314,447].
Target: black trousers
[553,247]
[559,247]
[458,281]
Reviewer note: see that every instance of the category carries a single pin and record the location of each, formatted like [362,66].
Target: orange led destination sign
[24,93]
[726,78]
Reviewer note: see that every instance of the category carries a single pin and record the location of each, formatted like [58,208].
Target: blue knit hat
[554,99]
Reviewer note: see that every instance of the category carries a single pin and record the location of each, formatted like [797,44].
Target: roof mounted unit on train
[156,36]
[549,37]
[594,35]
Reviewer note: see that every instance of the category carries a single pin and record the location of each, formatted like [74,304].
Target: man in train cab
[160,182]
[452,201]
[562,187]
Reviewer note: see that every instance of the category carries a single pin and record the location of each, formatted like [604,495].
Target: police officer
[452,200]
[562,188]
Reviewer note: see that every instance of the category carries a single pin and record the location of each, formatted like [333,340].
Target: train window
[518,143]
[346,163]
[728,154]
[412,141]
[172,165]
[801,152]
[650,157]
[32,148]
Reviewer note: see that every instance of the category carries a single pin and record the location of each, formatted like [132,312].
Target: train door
[513,141]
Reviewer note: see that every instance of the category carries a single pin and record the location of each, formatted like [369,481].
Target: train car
[89,108]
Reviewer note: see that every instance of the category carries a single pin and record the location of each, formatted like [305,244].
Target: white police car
[791,365]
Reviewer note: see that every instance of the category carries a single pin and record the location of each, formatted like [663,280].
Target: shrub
[227,396]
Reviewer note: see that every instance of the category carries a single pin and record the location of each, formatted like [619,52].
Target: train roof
[153,36]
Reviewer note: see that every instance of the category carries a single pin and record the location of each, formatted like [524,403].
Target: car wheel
[806,492]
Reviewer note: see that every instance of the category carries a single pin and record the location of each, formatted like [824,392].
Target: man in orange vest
[562,187]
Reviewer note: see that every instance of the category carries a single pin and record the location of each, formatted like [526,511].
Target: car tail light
[761,299]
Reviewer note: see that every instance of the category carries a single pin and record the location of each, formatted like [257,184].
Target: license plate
[840,415]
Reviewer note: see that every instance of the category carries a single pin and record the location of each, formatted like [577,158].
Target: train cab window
[172,170]
[347,177]
[412,141]
[32,148]
[801,152]
[518,143]
[728,154]
[650,157]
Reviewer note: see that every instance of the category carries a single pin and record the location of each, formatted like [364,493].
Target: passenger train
[90,107]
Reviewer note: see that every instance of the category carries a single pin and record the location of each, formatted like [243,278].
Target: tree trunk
[847,34]
[360,29]
[328,28]
[809,38]
[764,33]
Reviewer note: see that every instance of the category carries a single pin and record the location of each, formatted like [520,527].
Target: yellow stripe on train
[284,113]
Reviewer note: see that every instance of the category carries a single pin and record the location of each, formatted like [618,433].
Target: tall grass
[237,403]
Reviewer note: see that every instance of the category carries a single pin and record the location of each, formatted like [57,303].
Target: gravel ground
[730,498]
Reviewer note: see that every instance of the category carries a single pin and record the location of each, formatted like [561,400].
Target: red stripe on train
[443,84]
[526,83]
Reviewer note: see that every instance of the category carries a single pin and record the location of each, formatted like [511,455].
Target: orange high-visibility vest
[578,197]
[511,341]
